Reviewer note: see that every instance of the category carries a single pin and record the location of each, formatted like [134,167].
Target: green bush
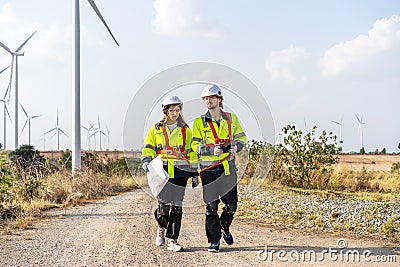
[396,167]
[302,155]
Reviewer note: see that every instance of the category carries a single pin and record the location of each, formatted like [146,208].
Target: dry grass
[59,190]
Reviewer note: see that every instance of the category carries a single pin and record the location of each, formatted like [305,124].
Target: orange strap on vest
[170,150]
[217,140]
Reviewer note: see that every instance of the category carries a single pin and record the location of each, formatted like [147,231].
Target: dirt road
[119,231]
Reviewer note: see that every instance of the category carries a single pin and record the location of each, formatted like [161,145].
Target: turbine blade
[36,116]
[92,3]
[6,48]
[62,132]
[11,72]
[4,69]
[24,43]
[357,118]
[23,127]
[5,94]
[8,113]
[50,131]
[26,114]
[85,128]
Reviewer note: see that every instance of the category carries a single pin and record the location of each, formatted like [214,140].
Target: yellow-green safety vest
[171,146]
[203,136]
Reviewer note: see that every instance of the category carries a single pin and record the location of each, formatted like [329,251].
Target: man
[217,136]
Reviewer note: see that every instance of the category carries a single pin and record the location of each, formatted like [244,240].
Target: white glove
[144,166]
[233,149]
[217,151]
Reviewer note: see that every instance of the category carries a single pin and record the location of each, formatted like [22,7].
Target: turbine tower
[5,110]
[360,129]
[108,137]
[76,90]
[28,120]
[340,128]
[14,57]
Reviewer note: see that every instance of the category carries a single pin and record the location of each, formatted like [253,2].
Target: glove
[204,150]
[233,149]
[195,181]
[144,166]
[217,151]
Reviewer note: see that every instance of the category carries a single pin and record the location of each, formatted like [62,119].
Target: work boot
[160,238]
[227,237]
[174,246]
[214,247]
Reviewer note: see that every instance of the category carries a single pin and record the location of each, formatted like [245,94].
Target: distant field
[369,162]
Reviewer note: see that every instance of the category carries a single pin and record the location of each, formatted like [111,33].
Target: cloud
[183,18]
[383,37]
[287,64]
[50,43]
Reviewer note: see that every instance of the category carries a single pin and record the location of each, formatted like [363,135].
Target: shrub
[396,167]
[27,168]
[300,156]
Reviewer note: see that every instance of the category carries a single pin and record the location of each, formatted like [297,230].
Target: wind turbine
[89,130]
[360,129]
[58,130]
[108,137]
[28,120]
[99,131]
[14,57]
[76,90]
[5,110]
[340,128]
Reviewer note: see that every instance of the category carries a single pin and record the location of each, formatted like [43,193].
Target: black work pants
[218,186]
[169,211]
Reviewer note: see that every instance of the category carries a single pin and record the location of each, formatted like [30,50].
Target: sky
[314,61]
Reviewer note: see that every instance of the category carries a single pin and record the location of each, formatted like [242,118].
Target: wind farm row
[360,130]
[92,130]
[76,83]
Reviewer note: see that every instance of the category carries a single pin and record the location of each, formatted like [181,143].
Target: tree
[300,156]
[362,151]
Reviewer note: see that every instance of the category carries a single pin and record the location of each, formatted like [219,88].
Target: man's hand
[144,166]
[233,149]
[217,151]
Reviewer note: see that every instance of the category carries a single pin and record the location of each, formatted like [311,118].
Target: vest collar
[208,117]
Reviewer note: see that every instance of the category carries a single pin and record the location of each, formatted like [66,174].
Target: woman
[171,139]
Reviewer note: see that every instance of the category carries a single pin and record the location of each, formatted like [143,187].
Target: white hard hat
[211,90]
[171,100]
